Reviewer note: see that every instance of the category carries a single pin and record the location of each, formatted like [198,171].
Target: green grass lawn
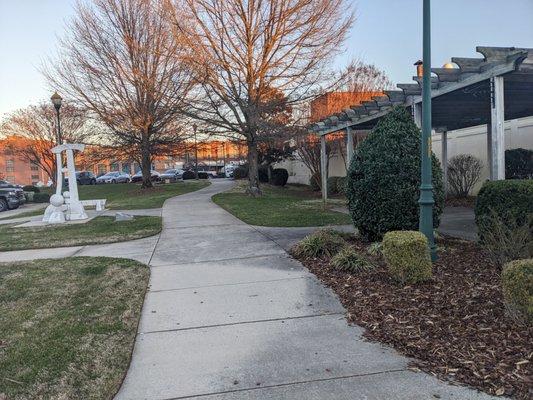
[130,196]
[31,213]
[288,206]
[98,230]
[67,327]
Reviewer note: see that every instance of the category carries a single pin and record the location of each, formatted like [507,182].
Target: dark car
[84,178]
[11,196]
[138,177]
[171,175]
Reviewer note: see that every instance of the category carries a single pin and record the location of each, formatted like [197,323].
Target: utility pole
[426,201]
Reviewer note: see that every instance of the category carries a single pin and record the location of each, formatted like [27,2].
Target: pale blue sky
[387,33]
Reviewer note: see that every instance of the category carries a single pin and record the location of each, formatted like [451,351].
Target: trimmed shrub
[348,259]
[314,182]
[323,242]
[31,188]
[241,172]
[41,198]
[341,185]
[510,201]
[519,164]
[188,175]
[203,175]
[407,256]
[517,284]
[383,184]
[280,176]
[263,174]
[333,184]
[464,171]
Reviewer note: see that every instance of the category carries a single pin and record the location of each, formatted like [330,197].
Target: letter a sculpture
[65,206]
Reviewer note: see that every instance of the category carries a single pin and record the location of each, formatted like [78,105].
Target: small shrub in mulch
[349,259]
[323,242]
[454,325]
[407,256]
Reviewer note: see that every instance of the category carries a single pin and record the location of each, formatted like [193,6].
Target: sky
[387,33]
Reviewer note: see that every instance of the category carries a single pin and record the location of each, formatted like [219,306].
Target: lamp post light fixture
[56,101]
[426,200]
[195,128]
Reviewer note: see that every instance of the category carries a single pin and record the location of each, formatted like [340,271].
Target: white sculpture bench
[99,204]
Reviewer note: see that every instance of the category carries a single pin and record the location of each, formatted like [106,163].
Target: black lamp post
[195,128]
[56,101]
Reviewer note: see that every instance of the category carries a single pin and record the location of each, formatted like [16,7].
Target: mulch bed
[455,325]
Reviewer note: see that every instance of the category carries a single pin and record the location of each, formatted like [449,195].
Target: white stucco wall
[518,133]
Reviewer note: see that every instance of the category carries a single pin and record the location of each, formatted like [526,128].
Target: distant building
[334,102]
[15,170]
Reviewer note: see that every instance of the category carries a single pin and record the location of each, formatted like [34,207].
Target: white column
[349,147]
[323,168]
[497,128]
[417,114]
[444,140]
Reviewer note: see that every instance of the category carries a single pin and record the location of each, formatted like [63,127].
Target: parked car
[11,196]
[114,177]
[138,177]
[84,178]
[172,175]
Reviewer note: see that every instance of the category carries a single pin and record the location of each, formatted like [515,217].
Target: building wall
[518,133]
[334,102]
[18,171]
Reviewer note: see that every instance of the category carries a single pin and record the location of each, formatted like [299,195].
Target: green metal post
[426,188]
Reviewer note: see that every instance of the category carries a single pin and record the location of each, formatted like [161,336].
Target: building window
[102,169]
[34,167]
[10,179]
[114,167]
[35,177]
[10,166]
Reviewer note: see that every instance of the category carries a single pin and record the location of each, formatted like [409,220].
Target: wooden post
[349,147]
[444,139]
[323,169]
[497,128]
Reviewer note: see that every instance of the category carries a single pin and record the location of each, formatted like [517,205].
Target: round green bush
[31,188]
[280,176]
[263,174]
[314,182]
[323,242]
[517,284]
[333,184]
[41,198]
[519,164]
[188,175]
[341,185]
[240,172]
[383,183]
[407,256]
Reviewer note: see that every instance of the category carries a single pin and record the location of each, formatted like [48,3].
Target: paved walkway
[229,315]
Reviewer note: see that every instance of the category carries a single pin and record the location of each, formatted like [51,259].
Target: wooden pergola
[488,90]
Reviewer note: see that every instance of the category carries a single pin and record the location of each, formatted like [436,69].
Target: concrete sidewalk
[229,315]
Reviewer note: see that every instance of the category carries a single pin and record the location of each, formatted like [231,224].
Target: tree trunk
[253,170]
[146,163]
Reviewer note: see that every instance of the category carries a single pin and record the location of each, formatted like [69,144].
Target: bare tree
[244,49]
[360,77]
[31,133]
[121,61]
[308,150]
[464,171]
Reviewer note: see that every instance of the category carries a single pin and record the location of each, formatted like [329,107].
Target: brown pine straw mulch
[454,326]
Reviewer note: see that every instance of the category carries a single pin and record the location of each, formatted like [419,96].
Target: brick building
[334,102]
[15,170]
